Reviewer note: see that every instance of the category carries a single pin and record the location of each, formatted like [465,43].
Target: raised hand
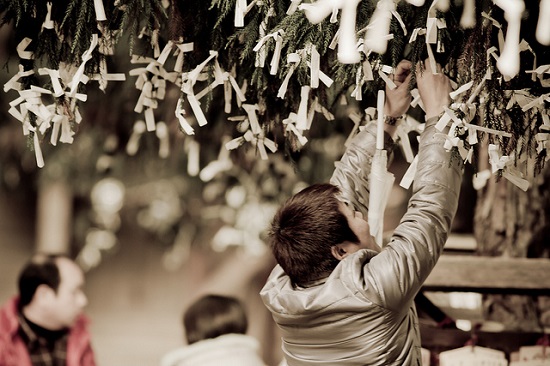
[434,90]
[399,99]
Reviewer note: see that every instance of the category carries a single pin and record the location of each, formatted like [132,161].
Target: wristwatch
[389,120]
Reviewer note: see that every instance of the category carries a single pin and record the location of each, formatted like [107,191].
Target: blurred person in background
[44,325]
[215,328]
[336,295]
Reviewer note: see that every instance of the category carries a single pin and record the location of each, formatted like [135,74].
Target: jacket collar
[9,322]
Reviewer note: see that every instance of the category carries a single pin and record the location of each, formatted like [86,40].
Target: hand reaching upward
[434,90]
[399,99]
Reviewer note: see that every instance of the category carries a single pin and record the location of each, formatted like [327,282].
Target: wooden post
[53,217]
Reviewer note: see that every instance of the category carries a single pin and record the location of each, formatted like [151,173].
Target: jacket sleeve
[397,273]
[351,173]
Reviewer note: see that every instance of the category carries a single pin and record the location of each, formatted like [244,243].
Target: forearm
[424,229]
[406,261]
[351,173]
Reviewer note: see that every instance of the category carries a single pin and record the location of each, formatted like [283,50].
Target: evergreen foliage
[210,26]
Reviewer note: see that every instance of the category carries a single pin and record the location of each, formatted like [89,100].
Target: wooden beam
[440,340]
[465,273]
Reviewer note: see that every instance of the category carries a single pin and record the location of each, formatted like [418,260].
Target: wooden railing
[486,275]
[490,275]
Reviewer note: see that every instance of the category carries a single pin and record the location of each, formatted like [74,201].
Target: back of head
[41,269]
[303,231]
[212,316]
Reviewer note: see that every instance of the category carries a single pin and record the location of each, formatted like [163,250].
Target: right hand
[433,89]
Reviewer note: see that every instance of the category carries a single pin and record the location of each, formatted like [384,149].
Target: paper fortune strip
[316,12]
[508,62]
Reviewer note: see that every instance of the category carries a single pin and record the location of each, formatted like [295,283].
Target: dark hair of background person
[41,269]
[212,316]
[304,230]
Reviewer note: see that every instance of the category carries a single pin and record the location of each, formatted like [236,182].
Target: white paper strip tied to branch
[13,83]
[151,80]
[293,59]
[416,2]
[99,10]
[180,115]
[524,46]
[453,141]
[408,177]
[240,12]
[104,77]
[407,125]
[314,66]
[526,100]
[182,49]
[21,49]
[290,126]
[78,77]
[508,62]
[302,123]
[106,47]
[219,78]
[379,27]
[257,140]
[48,22]
[538,102]
[468,18]
[229,83]
[293,7]
[540,72]
[261,47]
[433,23]
[357,93]
[60,123]
[261,53]
[37,149]
[30,101]
[496,24]
[543,137]
[252,117]
[356,119]
[383,72]
[316,12]
[54,77]
[543,25]
[504,163]
[347,49]
[187,88]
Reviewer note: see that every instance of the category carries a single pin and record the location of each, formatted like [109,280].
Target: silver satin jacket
[363,313]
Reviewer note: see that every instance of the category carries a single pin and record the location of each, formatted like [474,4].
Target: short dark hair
[305,228]
[212,316]
[41,269]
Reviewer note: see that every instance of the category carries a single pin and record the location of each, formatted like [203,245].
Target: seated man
[44,325]
[337,297]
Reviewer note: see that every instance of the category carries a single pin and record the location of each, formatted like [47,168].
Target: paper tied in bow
[505,164]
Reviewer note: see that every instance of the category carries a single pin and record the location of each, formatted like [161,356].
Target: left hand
[399,99]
